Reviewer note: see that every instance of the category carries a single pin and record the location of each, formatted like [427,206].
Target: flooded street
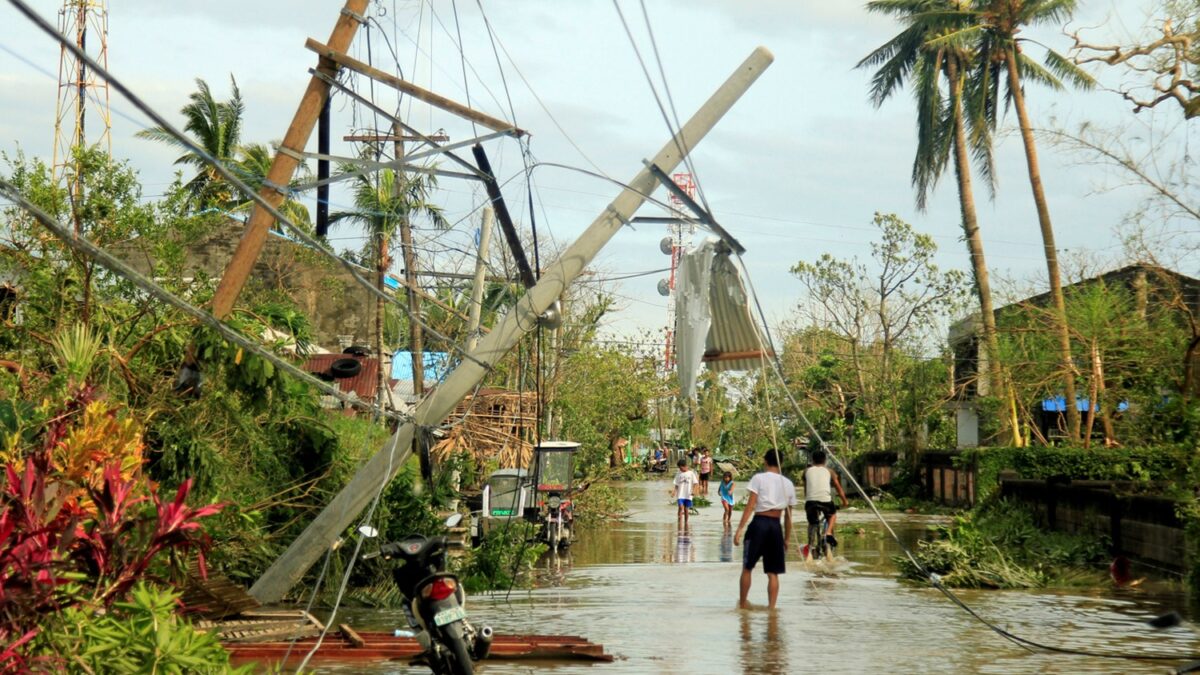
[664,602]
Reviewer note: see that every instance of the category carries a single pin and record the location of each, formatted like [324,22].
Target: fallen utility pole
[374,475]
[284,165]
[476,309]
[502,216]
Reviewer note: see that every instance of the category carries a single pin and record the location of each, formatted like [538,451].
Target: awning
[1059,404]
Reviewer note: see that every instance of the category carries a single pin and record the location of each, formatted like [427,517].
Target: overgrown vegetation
[999,545]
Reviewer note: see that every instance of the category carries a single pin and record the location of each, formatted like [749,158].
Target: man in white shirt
[771,499]
[685,480]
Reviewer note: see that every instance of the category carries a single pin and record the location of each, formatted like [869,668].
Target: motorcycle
[559,517]
[436,603]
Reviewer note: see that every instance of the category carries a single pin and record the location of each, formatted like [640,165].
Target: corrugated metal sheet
[732,331]
[363,384]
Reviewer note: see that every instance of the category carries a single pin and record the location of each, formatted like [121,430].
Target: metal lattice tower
[681,231]
[81,95]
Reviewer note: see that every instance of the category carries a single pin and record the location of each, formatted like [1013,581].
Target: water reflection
[726,553]
[684,553]
[763,649]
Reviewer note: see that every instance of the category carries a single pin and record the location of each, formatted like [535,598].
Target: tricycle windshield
[506,490]
[555,470]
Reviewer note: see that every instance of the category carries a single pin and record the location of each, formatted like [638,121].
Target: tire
[357,350]
[345,368]
[460,655]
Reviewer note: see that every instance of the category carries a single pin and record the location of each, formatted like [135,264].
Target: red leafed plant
[56,552]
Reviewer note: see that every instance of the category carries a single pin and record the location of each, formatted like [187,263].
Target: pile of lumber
[491,426]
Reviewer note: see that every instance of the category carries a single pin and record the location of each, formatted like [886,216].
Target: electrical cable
[217,165]
[934,579]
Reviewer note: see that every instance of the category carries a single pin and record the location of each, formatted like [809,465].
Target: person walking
[725,492]
[770,501]
[706,467]
[684,482]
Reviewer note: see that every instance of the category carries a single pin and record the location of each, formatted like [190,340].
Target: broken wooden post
[284,166]
[373,476]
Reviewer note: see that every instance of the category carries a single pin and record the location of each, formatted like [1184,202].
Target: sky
[795,170]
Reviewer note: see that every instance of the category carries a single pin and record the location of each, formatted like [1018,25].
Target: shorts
[813,511]
[685,503]
[704,476]
[764,539]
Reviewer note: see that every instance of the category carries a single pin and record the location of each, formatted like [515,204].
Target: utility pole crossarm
[375,474]
[339,56]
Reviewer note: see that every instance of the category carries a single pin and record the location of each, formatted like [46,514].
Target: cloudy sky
[795,170]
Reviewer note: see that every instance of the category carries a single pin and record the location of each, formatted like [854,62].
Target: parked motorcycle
[558,520]
[436,603]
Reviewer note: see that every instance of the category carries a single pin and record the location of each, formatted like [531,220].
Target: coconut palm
[385,204]
[216,126]
[996,32]
[253,162]
[942,127]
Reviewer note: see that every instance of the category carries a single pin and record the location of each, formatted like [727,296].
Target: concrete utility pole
[476,310]
[416,346]
[283,167]
[374,475]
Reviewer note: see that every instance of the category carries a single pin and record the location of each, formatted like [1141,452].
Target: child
[706,467]
[818,499]
[684,481]
[725,491]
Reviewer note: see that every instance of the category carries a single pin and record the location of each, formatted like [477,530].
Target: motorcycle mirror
[454,520]
[368,531]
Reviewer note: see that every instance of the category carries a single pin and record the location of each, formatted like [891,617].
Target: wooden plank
[351,636]
[339,57]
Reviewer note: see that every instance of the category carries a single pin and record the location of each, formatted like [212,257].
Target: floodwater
[664,602]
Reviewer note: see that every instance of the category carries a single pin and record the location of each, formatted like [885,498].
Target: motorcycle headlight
[554,502]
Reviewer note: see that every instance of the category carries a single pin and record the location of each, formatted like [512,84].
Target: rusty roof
[363,384]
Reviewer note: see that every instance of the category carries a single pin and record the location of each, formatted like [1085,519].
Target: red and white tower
[680,230]
[81,94]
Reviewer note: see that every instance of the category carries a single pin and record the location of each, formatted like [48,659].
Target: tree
[1165,66]
[253,162]
[942,128]
[1002,58]
[877,311]
[383,209]
[216,126]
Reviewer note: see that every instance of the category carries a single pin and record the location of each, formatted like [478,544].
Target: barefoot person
[725,492]
[771,499]
[685,481]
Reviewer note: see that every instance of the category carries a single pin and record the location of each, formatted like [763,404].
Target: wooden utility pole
[416,345]
[373,476]
[283,167]
[476,309]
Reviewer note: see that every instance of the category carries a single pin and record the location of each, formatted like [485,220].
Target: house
[1149,285]
[360,381]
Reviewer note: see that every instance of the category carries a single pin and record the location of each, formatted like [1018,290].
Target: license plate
[449,616]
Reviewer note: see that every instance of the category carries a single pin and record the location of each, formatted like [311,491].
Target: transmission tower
[80,92]
[680,230]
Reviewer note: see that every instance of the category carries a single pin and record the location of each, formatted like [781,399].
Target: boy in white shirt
[685,480]
[771,499]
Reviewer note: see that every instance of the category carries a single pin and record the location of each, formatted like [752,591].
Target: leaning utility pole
[285,163]
[373,476]
[476,309]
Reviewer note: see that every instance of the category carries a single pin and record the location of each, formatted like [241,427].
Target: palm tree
[216,127]
[253,162]
[942,130]
[1002,58]
[385,204]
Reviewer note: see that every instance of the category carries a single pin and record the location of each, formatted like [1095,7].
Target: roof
[363,384]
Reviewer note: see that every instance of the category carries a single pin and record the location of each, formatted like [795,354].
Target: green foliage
[604,395]
[1039,462]
[999,545]
[504,559]
[144,635]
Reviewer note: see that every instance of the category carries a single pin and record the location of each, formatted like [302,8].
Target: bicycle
[823,549]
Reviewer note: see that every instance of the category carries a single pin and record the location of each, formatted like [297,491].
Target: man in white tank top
[819,482]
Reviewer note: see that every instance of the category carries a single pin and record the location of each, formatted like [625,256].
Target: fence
[942,480]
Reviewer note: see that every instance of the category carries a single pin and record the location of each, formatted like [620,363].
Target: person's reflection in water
[726,554]
[767,654]
[684,552]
